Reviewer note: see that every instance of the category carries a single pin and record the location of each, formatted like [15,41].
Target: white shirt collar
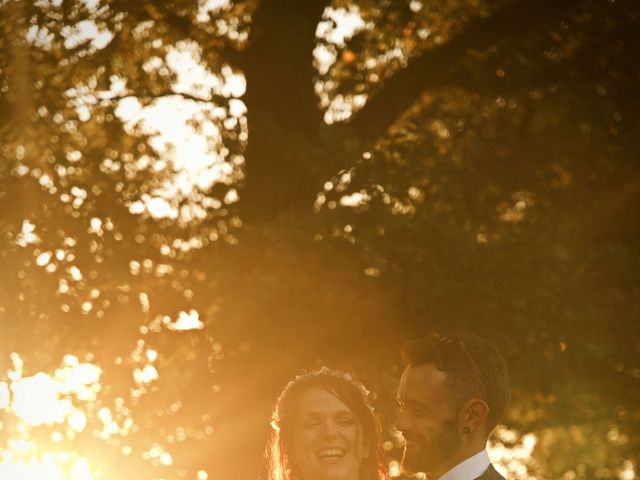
[469,469]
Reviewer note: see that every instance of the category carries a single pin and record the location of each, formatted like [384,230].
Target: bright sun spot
[187,136]
[187,321]
[511,461]
[49,466]
[44,399]
[27,234]
[208,7]
[338,26]
[36,400]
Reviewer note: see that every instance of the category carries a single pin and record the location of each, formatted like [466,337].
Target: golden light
[48,466]
[27,234]
[185,131]
[511,461]
[337,26]
[36,400]
[187,321]
[394,468]
[4,395]
[46,400]
[44,413]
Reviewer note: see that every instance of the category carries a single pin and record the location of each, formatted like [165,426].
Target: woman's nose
[329,429]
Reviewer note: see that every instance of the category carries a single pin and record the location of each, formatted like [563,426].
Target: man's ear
[473,416]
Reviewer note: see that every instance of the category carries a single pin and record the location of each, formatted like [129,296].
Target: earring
[466,429]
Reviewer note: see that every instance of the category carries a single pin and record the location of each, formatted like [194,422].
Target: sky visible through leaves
[160,131]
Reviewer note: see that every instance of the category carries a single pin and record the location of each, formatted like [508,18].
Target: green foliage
[476,169]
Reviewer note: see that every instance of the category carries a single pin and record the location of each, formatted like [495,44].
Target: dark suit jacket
[490,474]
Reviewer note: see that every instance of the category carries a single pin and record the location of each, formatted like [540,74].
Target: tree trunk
[283,113]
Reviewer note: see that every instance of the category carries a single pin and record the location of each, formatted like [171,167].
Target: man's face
[426,419]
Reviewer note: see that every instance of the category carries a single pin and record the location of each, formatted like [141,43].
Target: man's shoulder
[490,474]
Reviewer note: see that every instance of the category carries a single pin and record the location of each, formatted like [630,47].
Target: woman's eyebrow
[317,413]
[310,414]
[345,413]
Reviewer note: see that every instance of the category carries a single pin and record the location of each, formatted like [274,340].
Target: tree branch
[217,99]
[433,67]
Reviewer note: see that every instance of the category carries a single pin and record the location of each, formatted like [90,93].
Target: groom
[452,393]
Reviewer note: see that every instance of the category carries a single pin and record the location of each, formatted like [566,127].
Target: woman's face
[327,441]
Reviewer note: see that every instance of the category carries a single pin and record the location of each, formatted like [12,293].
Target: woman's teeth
[330,452]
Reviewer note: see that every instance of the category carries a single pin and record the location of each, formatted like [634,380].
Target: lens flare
[42,400]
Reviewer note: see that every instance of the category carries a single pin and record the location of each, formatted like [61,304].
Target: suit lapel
[491,474]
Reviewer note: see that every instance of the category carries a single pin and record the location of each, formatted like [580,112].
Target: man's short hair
[474,369]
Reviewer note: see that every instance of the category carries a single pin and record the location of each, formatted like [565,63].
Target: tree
[449,165]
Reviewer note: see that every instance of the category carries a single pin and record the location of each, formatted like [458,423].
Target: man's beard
[433,451]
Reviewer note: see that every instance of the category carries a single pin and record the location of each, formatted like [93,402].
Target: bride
[323,428]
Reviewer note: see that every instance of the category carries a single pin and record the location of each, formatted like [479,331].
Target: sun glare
[187,321]
[47,416]
[511,461]
[48,400]
[337,26]
[186,132]
[27,234]
[48,466]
